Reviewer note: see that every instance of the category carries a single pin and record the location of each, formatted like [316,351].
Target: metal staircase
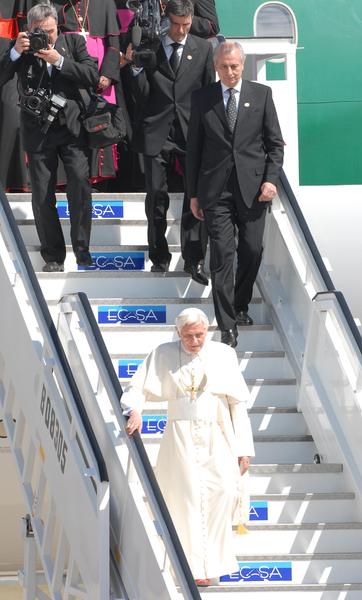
[304,537]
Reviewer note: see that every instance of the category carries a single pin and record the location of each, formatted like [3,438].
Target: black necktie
[174,58]
[231,109]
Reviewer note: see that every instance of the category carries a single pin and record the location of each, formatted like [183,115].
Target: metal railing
[43,308]
[142,463]
[330,288]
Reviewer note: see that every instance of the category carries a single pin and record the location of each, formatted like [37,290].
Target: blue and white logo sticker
[157,423]
[130,315]
[154,424]
[127,367]
[116,261]
[258,511]
[101,209]
[260,571]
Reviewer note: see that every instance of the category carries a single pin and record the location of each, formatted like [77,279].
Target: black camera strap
[30,76]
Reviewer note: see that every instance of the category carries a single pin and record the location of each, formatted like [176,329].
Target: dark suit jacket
[161,96]
[78,70]
[205,22]
[256,148]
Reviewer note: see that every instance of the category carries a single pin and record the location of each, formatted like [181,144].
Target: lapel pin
[189,57]
[246,104]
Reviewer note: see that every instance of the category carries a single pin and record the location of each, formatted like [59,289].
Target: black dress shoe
[197,273]
[53,267]
[160,267]
[84,259]
[229,337]
[242,318]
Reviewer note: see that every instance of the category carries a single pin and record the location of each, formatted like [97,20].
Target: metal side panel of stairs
[304,539]
[51,450]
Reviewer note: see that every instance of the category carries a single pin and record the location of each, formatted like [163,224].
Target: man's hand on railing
[134,422]
[268,192]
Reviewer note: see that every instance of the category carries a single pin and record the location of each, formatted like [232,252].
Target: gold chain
[193,388]
[81,20]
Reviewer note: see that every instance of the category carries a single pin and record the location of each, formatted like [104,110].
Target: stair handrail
[330,288]
[32,282]
[140,457]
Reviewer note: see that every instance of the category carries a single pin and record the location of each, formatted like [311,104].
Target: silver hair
[41,12]
[191,316]
[227,47]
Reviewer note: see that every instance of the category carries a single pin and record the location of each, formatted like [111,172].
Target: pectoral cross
[193,388]
[82,29]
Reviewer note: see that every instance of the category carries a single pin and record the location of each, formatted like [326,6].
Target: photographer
[96,21]
[163,95]
[50,70]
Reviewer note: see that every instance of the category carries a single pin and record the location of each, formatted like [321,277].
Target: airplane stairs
[94,524]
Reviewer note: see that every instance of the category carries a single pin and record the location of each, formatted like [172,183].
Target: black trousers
[43,174]
[193,232]
[233,227]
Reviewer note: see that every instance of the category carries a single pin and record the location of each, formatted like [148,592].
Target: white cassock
[207,429]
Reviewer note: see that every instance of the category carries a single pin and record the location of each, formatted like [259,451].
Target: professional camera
[148,26]
[38,40]
[43,106]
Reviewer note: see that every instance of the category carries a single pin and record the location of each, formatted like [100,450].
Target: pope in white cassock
[207,440]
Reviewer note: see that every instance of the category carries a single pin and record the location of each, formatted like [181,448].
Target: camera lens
[33,102]
[36,44]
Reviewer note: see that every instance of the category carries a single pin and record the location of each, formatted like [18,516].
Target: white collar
[237,87]
[169,41]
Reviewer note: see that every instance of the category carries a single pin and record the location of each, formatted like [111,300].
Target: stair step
[307,569]
[267,448]
[267,366]
[296,478]
[282,395]
[135,337]
[110,231]
[294,507]
[112,284]
[133,204]
[282,538]
[118,310]
[284,450]
[285,592]
[113,258]
[263,425]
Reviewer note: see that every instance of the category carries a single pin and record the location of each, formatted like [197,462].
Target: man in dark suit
[58,70]
[234,157]
[205,22]
[163,96]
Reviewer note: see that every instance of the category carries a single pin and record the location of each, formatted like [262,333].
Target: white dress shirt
[226,93]
[167,45]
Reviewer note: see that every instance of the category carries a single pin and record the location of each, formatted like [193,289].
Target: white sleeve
[14,54]
[134,397]
[242,429]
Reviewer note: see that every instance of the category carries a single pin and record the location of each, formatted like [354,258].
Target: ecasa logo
[257,571]
[128,367]
[129,315]
[258,511]
[111,261]
[153,424]
[101,209]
